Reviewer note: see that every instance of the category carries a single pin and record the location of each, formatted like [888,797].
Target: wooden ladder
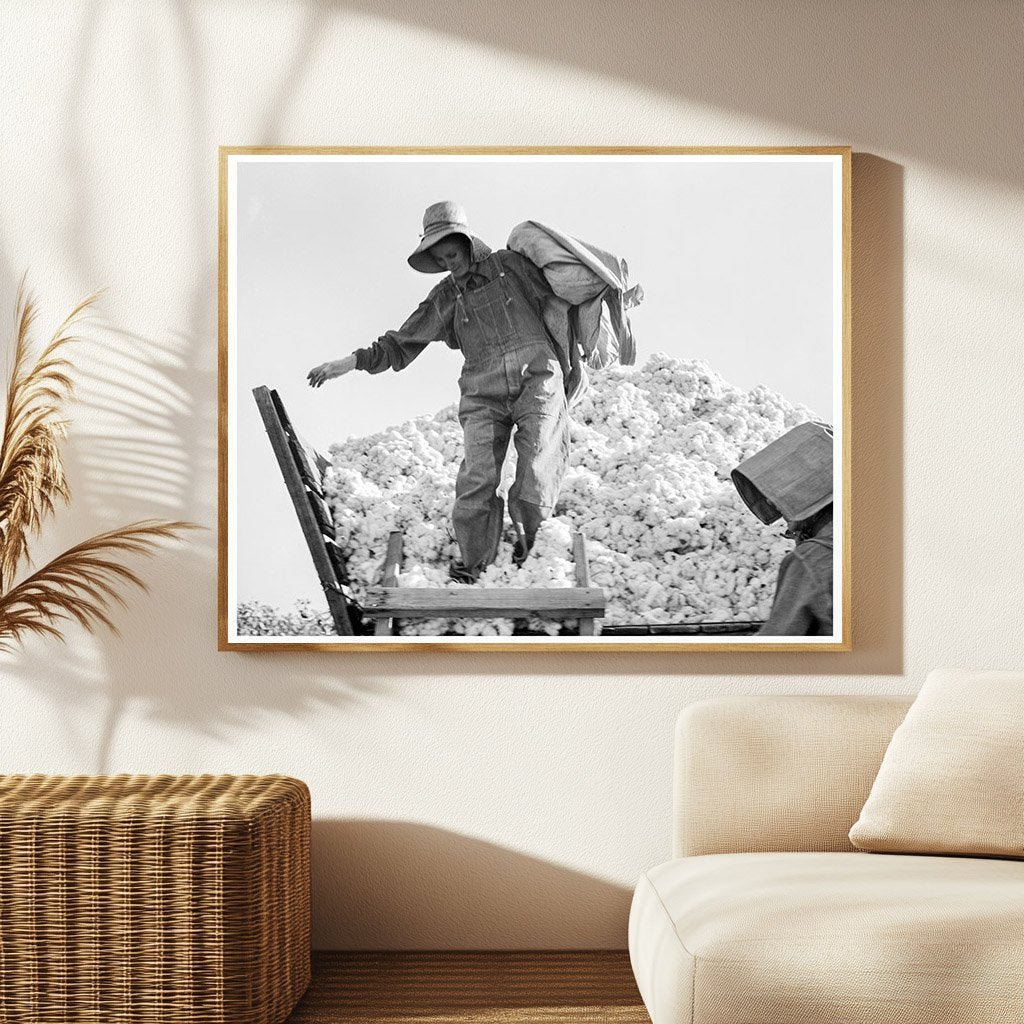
[389,602]
[302,468]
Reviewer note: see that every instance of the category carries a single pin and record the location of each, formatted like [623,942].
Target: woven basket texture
[134,899]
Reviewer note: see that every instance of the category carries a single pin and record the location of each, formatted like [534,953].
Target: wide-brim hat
[791,477]
[439,221]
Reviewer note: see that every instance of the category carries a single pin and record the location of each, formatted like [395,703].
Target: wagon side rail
[302,469]
[390,602]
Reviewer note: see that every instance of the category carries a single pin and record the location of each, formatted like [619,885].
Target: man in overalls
[490,306]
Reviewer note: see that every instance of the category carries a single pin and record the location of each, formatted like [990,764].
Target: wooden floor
[471,988]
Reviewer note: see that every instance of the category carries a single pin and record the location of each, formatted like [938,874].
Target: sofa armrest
[758,774]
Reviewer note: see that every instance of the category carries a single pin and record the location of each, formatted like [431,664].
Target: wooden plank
[322,511]
[479,602]
[726,628]
[309,472]
[588,626]
[299,495]
[310,457]
[683,629]
[392,563]
[337,556]
[393,558]
[319,462]
[579,556]
[315,464]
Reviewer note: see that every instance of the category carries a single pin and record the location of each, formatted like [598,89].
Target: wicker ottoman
[144,899]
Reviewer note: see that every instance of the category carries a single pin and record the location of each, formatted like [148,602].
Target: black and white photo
[560,398]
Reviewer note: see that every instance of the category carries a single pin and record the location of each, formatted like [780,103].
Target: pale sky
[736,259]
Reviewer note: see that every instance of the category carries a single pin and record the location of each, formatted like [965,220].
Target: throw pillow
[951,780]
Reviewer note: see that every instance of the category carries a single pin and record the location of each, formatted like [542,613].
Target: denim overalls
[511,378]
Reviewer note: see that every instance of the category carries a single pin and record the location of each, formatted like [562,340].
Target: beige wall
[473,800]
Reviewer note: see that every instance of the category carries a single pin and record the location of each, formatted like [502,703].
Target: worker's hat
[439,221]
[791,477]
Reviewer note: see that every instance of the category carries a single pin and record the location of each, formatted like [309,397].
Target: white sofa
[768,915]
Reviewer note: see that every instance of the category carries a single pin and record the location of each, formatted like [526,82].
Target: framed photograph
[581,399]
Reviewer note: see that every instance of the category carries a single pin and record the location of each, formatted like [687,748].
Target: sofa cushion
[833,938]
[775,774]
[950,780]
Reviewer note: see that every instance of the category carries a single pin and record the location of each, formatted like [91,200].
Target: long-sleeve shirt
[803,594]
[434,319]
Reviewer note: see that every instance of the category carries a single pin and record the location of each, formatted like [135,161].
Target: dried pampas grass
[81,584]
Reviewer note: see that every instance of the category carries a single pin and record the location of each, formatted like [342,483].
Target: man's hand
[330,370]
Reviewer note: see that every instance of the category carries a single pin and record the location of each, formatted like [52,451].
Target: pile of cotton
[668,537]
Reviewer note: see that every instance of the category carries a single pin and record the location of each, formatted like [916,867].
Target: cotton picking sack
[587,317]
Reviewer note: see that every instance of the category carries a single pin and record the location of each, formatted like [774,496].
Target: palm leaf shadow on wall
[83,583]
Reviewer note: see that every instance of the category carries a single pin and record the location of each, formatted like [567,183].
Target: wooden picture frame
[313,241]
